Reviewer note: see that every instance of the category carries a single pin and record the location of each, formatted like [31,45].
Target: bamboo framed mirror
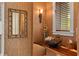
[17,26]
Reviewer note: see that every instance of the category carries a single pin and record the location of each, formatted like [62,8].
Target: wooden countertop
[63,50]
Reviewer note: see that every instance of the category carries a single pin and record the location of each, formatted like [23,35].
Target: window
[63,18]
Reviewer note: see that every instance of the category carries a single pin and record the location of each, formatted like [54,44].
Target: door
[18,46]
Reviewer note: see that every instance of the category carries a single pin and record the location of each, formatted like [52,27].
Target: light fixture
[40,14]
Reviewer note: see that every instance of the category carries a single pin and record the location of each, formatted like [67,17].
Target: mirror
[22,24]
[17,23]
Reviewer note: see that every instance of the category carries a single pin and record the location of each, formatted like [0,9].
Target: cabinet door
[51,52]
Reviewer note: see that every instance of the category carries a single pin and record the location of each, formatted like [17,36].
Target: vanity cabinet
[51,52]
[41,50]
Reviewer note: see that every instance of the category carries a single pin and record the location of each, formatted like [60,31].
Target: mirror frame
[20,35]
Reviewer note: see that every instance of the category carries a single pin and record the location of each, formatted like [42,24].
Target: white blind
[62,16]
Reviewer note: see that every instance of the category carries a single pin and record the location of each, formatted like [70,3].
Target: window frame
[71,32]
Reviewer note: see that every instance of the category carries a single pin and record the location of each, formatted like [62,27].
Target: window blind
[62,16]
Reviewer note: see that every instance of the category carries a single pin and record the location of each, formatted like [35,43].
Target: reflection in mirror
[22,24]
[15,23]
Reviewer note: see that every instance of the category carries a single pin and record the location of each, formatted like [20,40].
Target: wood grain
[18,46]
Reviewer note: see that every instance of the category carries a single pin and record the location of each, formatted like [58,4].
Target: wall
[49,17]
[49,20]
[19,46]
[77,29]
[37,26]
[0,29]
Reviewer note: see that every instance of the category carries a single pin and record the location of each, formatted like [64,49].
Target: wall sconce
[40,15]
